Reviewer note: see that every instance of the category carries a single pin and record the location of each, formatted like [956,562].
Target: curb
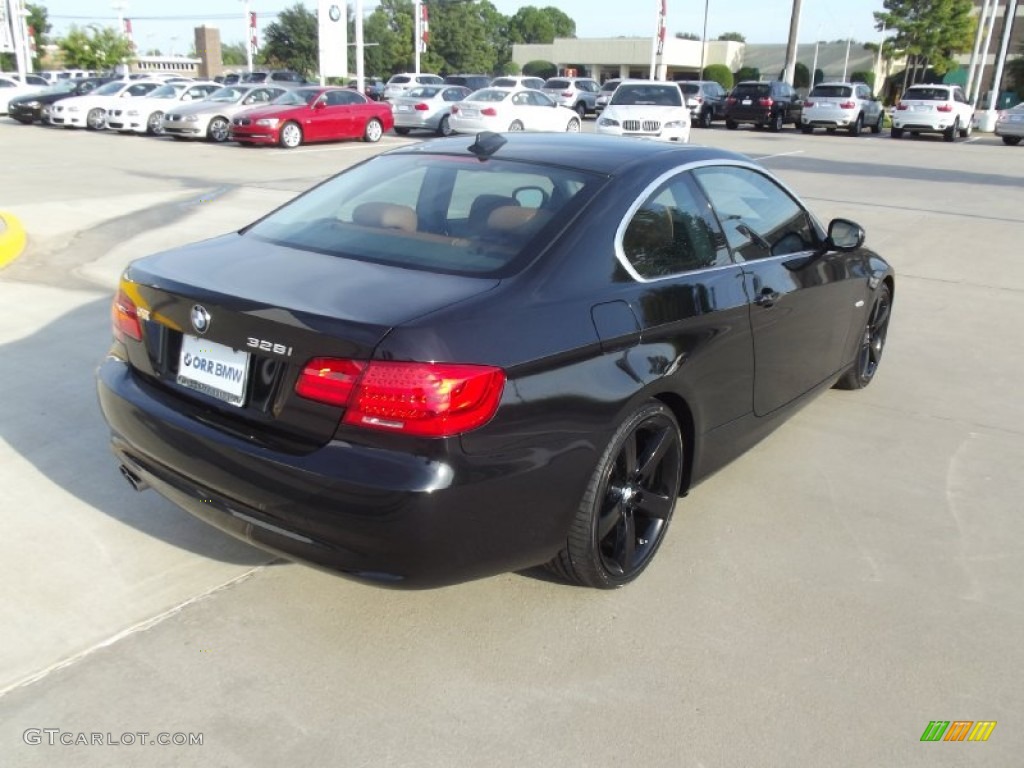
[12,238]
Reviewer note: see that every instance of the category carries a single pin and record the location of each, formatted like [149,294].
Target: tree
[747,73]
[94,47]
[390,27]
[864,76]
[801,76]
[539,25]
[291,41]
[39,23]
[734,37]
[687,36]
[540,68]
[470,37]
[929,32]
[234,54]
[720,74]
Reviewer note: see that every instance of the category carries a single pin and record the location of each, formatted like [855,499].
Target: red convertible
[313,114]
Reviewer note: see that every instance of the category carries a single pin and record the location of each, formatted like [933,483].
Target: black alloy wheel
[776,123]
[626,509]
[857,125]
[950,133]
[704,121]
[869,355]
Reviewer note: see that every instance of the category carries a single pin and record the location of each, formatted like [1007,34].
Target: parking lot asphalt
[818,602]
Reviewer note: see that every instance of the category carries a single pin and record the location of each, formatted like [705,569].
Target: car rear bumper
[406,120]
[914,123]
[386,517]
[830,119]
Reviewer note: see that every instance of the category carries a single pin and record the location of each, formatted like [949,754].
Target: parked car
[705,99]
[231,78]
[275,76]
[472,82]
[427,108]
[37,81]
[11,88]
[211,119]
[313,114]
[607,89]
[397,85]
[373,88]
[1010,125]
[516,81]
[767,105]
[577,93]
[89,111]
[146,114]
[933,109]
[504,109]
[850,106]
[650,109]
[430,369]
[34,107]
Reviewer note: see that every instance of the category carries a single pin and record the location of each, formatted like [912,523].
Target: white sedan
[504,109]
[146,113]
[650,109]
[90,111]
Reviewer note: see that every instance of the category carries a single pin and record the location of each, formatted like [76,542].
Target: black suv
[767,105]
[705,99]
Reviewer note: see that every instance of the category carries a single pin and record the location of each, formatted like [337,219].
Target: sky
[760,21]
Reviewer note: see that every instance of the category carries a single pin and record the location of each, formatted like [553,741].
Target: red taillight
[567,94]
[489,111]
[902,107]
[944,108]
[765,101]
[455,109]
[421,107]
[699,99]
[846,105]
[329,380]
[125,317]
[426,399]
[808,103]
[731,100]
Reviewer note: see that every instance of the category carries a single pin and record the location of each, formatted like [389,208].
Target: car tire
[869,353]
[950,133]
[96,120]
[1011,141]
[290,136]
[373,131]
[965,133]
[402,131]
[807,129]
[732,125]
[896,133]
[704,120]
[516,127]
[776,122]
[581,110]
[444,128]
[856,126]
[877,127]
[155,124]
[218,130]
[628,503]
[573,126]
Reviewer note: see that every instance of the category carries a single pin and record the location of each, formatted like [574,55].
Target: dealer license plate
[213,369]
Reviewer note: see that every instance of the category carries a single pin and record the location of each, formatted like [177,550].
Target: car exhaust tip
[136,482]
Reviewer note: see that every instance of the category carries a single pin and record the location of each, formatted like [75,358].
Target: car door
[802,301]
[545,114]
[870,107]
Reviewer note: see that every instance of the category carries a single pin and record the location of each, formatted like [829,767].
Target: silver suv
[404,81]
[933,109]
[850,106]
[577,93]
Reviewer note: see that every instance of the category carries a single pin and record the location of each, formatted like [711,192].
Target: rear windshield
[927,94]
[553,83]
[429,80]
[832,91]
[611,85]
[503,82]
[439,213]
[690,88]
[753,89]
[398,79]
[423,92]
[648,95]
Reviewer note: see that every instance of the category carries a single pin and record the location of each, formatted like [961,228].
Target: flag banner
[662,25]
[253,36]
[6,34]
[332,19]
[424,28]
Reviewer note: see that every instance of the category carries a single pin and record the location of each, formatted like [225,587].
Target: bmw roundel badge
[335,13]
[200,319]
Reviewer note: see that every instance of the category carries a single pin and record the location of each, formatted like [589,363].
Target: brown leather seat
[386,216]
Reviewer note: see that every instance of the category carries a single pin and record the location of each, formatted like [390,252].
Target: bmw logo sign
[334,13]
[200,319]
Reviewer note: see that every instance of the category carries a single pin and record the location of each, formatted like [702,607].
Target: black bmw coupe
[476,355]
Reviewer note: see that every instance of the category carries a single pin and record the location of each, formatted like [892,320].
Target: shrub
[540,68]
[720,74]
[864,76]
[747,73]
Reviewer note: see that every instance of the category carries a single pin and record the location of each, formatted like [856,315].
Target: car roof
[591,152]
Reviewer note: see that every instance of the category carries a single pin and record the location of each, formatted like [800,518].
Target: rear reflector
[125,317]
[426,399]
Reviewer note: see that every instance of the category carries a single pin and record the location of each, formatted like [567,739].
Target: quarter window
[759,218]
[673,232]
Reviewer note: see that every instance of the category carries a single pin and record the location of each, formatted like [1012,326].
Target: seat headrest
[386,216]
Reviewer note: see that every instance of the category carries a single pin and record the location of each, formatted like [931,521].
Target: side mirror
[844,235]
[320,104]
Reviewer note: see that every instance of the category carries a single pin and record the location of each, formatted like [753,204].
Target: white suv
[841,105]
[933,109]
[405,81]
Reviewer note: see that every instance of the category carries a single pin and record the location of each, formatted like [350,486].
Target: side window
[672,232]
[760,219]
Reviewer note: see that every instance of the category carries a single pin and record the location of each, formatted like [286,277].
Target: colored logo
[958,730]
[334,13]
[200,319]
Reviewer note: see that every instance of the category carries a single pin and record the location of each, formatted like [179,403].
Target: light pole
[794,33]
[704,40]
